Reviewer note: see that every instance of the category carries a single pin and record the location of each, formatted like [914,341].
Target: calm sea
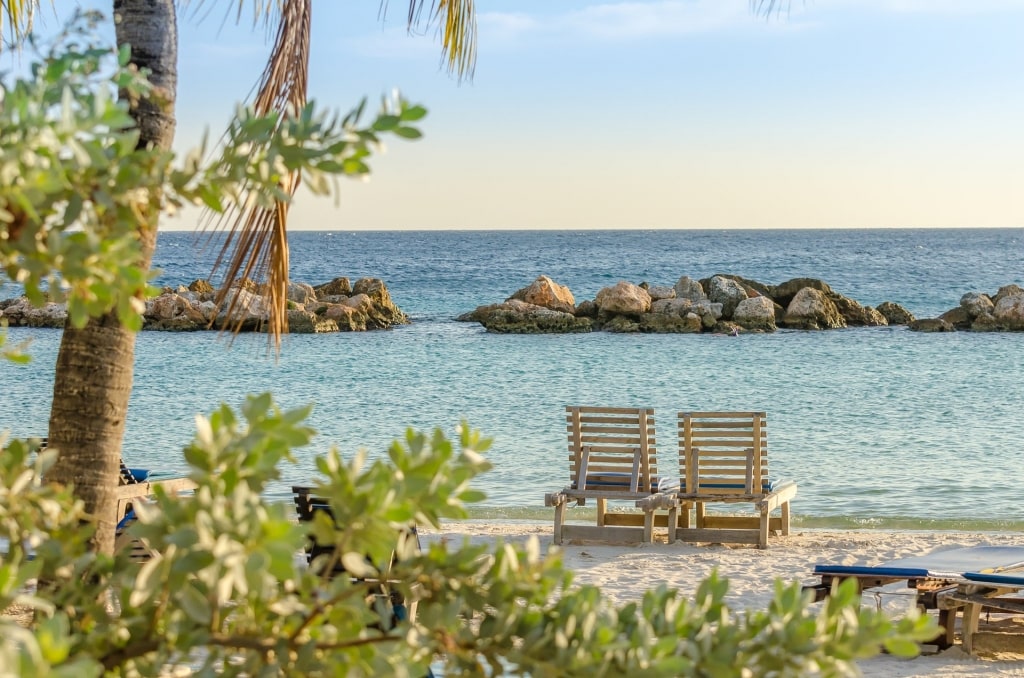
[880,427]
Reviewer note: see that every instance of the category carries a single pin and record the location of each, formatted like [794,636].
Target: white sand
[623,573]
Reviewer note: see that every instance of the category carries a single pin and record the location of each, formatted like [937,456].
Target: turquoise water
[880,427]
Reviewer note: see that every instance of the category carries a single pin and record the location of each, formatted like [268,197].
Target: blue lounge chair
[934,576]
[978,591]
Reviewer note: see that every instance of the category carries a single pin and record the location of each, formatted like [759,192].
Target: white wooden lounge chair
[723,457]
[612,456]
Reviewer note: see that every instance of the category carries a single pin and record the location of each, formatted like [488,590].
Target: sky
[665,114]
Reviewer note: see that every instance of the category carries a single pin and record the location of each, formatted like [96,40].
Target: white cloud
[638,19]
[937,6]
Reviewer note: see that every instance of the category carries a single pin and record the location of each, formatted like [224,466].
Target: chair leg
[648,526]
[559,521]
[699,515]
[762,537]
[969,627]
[602,508]
[785,519]
[673,522]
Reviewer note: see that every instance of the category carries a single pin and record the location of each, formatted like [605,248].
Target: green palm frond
[456,22]
[256,245]
[16,19]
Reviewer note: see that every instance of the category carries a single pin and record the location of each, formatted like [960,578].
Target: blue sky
[669,114]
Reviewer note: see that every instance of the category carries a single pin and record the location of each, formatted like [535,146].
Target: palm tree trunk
[95,363]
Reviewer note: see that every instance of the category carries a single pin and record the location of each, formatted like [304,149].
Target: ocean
[880,427]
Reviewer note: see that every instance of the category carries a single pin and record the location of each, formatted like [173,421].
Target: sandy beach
[623,571]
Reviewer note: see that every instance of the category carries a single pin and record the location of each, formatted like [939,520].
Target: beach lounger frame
[941,581]
[979,592]
[612,457]
[723,458]
[134,485]
[307,504]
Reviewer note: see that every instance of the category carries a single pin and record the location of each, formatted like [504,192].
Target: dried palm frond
[256,245]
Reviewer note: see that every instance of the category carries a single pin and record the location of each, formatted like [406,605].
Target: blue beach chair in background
[937,578]
[998,591]
[135,485]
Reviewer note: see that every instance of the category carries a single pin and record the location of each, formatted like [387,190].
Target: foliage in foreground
[227,595]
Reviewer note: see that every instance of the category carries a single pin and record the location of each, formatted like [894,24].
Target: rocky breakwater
[721,303]
[978,312]
[336,306]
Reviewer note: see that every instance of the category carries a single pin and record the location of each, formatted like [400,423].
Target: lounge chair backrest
[607,445]
[126,476]
[723,452]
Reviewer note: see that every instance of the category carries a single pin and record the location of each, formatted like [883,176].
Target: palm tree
[95,363]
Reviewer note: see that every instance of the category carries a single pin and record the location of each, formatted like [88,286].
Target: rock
[726,292]
[959,317]
[678,307]
[21,312]
[307,322]
[166,306]
[546,293]
[710,313]
[757,313]
[242,309]
[669,323]
[201,286]
[856,315]
[1007,291]
[930,325]
[687,288]
[661,292]
[812,309]
[336,287]
[519,317]
[621,324]
[752,287]
[346,318]
[384,314]
[985,322]
[975,304]
[784,294]
[895,314]
[1009,309]
[301,293]
[586,309]
[623,298]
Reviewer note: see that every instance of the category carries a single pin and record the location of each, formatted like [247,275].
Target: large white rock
[623,297]
[1009,311]
[811,309]
[727,292]
[688,288]
[756,313]
[546,293]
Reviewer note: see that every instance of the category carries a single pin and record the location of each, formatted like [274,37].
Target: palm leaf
[256,245]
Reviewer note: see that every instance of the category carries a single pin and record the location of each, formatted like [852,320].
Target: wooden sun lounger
[321,556]
[936,577]
[984,591]
[134,486]
[723,458]
[612,457]
[127,496]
